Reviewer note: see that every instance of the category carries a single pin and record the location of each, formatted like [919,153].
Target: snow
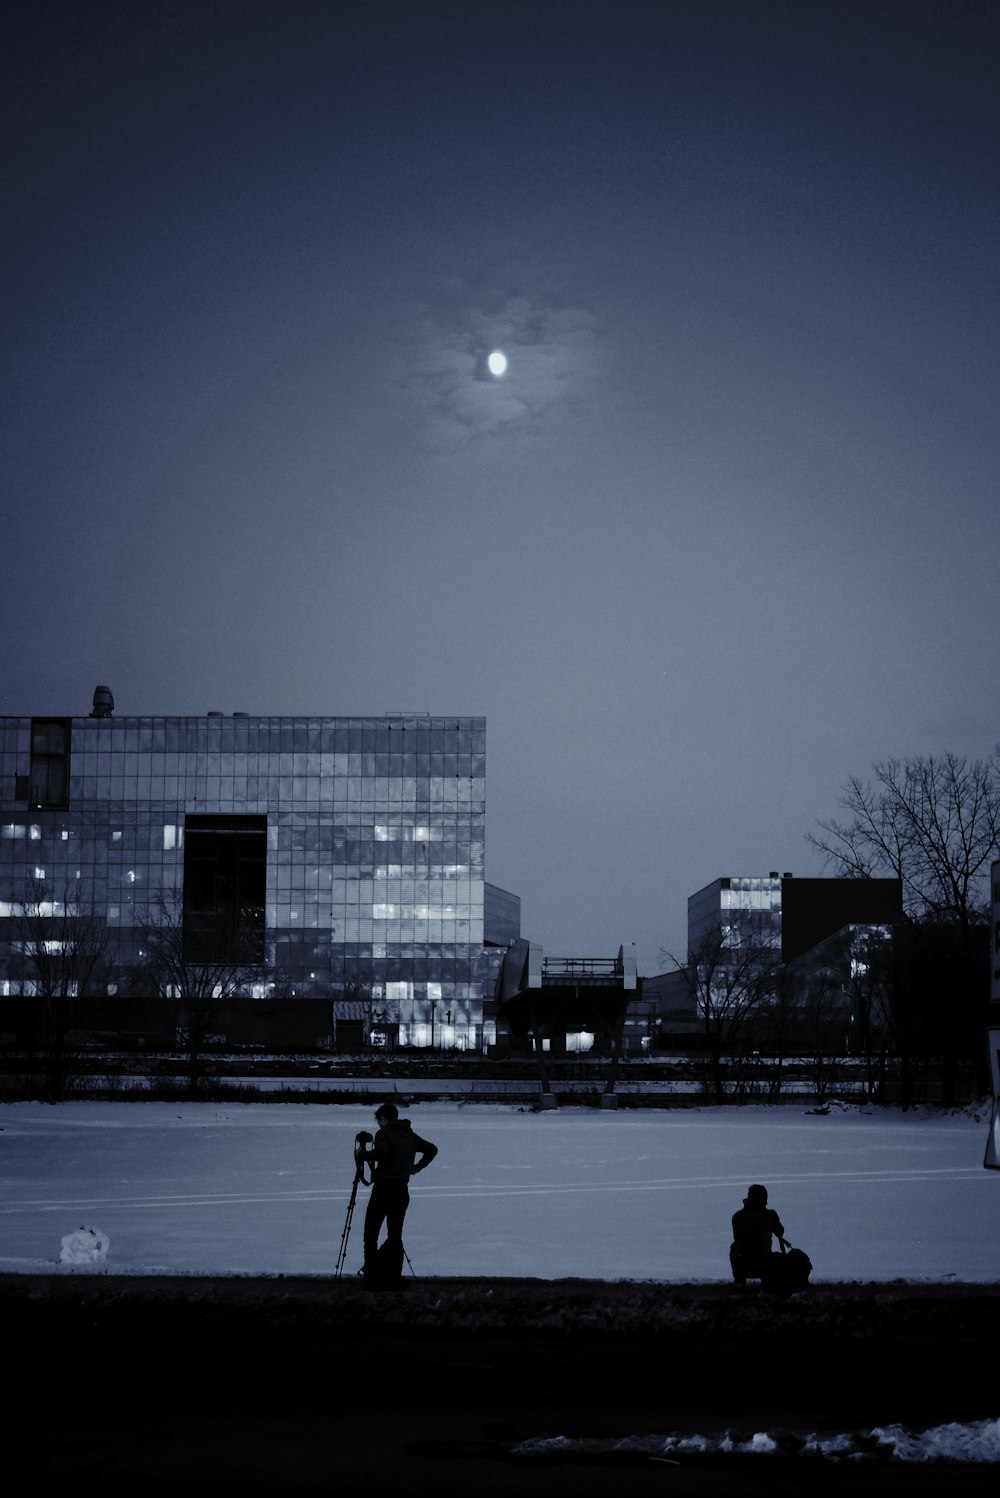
[148,1189]
[635,1194]
[977,1443]
[85,1246]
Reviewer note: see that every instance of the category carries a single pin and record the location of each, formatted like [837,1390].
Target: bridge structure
[543,999]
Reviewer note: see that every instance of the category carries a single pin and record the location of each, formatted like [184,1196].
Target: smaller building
[814,931]
[790,915]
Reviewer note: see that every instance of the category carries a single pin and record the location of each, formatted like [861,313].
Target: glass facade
[502,916]
[371,831]
[745,908]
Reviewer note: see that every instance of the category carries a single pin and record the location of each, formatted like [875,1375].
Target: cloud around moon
[554,368]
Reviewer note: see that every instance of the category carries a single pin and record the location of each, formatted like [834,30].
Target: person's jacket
[394,1150]
[753,1228]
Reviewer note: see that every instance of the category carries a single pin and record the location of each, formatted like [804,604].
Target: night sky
[723,534]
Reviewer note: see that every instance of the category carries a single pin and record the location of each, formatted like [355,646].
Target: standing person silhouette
[393,1154]
[754,1226]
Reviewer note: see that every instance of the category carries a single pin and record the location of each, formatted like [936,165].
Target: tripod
[359,1179]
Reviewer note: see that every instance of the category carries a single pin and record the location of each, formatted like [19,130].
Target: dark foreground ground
[246,1386]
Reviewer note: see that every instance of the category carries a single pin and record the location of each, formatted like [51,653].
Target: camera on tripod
[363,1171]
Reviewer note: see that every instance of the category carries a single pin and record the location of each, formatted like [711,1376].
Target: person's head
[756,1197]
[386,1114]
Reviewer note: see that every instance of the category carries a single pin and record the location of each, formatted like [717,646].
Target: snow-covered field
[263,1189]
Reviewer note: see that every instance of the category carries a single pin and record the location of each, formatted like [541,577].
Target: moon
[497,363]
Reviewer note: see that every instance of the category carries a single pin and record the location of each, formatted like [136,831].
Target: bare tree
[868,973]
[776,1030]
[729,974]
[842,990]
[66,948]
[195,985]
[934,823]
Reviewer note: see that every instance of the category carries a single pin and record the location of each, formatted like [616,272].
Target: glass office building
[322,855]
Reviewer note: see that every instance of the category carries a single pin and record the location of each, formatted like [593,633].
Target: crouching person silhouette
[754,1226]
[393,1155]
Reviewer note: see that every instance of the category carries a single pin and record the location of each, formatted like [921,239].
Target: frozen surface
[263,1189]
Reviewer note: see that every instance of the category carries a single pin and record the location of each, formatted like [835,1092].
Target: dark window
[225,876]
[350,1035]
[49,782]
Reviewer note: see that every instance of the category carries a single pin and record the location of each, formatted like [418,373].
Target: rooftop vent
[104,703]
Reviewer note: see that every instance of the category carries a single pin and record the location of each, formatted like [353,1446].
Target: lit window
[35,833]
[169,836]
[15,908]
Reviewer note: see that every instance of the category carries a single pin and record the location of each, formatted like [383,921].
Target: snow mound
[85,1246]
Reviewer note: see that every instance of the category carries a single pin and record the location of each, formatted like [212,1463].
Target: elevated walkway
[543,999]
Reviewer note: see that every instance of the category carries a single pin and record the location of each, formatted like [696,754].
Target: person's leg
[394,1216]
[374,1218]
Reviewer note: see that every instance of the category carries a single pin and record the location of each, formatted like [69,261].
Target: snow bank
[977,1442]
